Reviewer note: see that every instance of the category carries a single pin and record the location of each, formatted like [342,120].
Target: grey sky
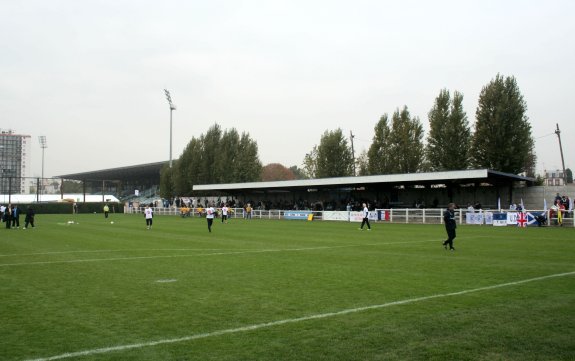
[89,75]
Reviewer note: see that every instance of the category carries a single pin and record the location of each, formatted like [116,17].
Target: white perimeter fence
[394,215]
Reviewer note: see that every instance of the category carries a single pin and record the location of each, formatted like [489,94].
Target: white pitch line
[292,320]
[116,250]
[207,254]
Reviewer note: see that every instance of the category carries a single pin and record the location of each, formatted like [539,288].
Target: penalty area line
[292,320]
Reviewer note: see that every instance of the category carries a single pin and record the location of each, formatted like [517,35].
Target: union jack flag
[522,219]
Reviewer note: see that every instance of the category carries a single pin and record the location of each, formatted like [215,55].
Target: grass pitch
[283,290]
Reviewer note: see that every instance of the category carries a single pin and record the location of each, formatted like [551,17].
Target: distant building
[14,161]
[554,178]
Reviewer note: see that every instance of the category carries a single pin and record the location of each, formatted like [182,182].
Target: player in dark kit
[449,220]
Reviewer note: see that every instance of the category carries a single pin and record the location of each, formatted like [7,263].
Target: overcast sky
[89,75]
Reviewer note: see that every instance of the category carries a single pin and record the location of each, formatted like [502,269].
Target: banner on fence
[512,218]
[358,216]
[336,216]
[535,219]
[297,215]
[488,217]
[499,219]
[473,218]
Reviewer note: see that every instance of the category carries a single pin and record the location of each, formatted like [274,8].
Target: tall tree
[334,157]
[167,189]
[378,155]
[276,172]
[362,164]
[449,135]
[310,163]
[502,139]
[299,173]
[247,167]
[216,157]
[406,151]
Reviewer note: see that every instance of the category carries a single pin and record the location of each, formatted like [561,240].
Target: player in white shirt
[225,213]
[365,218]
[149,214]
[210,213]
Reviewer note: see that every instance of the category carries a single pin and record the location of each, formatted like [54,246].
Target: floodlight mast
[43,145]
[558,132]
[172,108]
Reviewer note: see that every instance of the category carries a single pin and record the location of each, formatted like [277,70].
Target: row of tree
[501,141]
[216,157]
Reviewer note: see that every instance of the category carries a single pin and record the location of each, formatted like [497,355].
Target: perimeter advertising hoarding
[358,216]
[302,215]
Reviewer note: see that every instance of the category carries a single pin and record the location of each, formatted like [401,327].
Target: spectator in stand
[560,213]
[557,199]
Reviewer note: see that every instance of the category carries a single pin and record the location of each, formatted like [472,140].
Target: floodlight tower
[172,108]
[43,145]
[558,132]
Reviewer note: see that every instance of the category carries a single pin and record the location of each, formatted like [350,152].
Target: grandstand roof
[134,172]
[447,177]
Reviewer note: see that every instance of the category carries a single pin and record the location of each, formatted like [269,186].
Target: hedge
[67,208]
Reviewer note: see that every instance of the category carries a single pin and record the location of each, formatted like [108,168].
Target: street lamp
[43,145]
[172,108]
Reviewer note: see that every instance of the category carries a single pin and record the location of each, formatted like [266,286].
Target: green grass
[91,285]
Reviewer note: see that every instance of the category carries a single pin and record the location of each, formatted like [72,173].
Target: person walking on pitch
[449,220]
[210,213]
[149,214]
[365,218]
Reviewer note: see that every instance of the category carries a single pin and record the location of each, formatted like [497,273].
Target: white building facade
[554,178]
[15,157]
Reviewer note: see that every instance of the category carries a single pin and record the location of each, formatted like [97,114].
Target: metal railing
[393,215]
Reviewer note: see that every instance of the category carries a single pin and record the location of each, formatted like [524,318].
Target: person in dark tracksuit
[15,216]
[29,220]
[449,220]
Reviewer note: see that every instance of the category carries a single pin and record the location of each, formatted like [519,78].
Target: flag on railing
[522,219]
[499,204]
[522,205]
[571,205]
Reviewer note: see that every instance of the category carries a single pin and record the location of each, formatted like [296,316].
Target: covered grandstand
[430,189]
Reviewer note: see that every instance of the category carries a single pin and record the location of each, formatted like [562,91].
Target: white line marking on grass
[166,281]
[293,320]
[118,250]
[212,254]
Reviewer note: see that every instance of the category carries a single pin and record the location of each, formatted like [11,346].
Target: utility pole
[558,132]
[352,151]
